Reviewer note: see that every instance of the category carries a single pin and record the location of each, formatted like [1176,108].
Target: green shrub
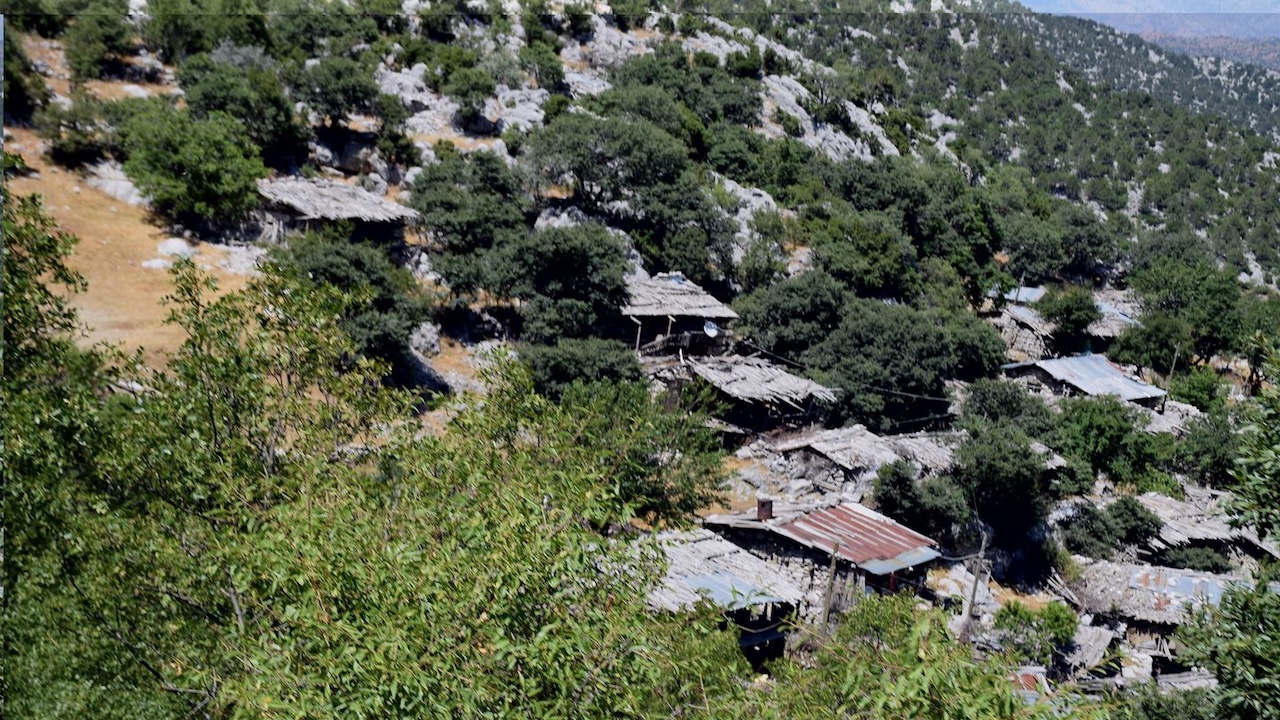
[790,123]
[555,367]
[203,169]
[1202,559]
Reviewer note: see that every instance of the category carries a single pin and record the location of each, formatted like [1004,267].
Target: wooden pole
[831,582]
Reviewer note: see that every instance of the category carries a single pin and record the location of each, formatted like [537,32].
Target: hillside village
[1008,385]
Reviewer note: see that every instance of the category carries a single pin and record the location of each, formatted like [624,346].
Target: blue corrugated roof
[1095,375]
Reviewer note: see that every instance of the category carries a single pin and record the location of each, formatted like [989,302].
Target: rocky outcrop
[518,109]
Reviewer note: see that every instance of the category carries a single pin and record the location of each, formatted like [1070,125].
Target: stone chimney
[764,509]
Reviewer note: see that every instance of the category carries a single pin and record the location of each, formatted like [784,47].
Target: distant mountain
[1184,18]
[1264,52]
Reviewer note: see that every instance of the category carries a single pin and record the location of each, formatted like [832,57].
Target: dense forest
[271,523]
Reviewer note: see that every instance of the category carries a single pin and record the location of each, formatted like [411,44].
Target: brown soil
[123,302]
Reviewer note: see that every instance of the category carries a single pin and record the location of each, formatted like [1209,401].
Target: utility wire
[867,386]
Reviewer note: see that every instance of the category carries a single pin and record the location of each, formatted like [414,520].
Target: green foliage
[1156,343]
[336,86]
[1036,635]
[1106,434]
[1150,703]
[193,168]
[180,28]
[392,142]
[710,91]
[568,279]
[1207,299]
[933,506]
[790,123]
[1072,310]
[889,660]
[75,133]
[250,92]
[1005,481]
[1236,642]
[1255,497]
[553,368]
[660,463]
[892,361]
[1003,402]
[1203,559]
[1209,450]
[388,305]
[24,90]
[544,65]
[98,40]
[1200,387]
[1099,533]
[472,205]
[470,87]
[794,315]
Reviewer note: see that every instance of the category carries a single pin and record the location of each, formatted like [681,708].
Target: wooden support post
[831,582]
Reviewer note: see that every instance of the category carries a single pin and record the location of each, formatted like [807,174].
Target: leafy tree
[389,302]
[74,133]
[24,91]
[1036,635]
[251,93]
[1209,450]
[934,506]
[1205,298]
[663,464]
[1254,498]
[887,660]
[471,205]
[1006,482]
[97,40]
[892,361]
[1002,402]
[1091,533]
[569,279]
[553,368]
[193,168]
[336,86]
[302,29]
[1235,641]
[470,87]
[393,144]
[179,28]
[1200,387]
[1157,343]
[1149,703]
[1072,310]
[1105,433]
[794,315]
[1134,524]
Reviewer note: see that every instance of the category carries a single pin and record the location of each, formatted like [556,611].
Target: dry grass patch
[123,302]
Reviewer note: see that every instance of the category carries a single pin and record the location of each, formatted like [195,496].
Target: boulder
[425,340]
[177,247]
[585,82]
[109,177]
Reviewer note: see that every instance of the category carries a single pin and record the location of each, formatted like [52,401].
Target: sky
[1233,18]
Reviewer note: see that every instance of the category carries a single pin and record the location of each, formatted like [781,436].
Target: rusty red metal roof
[862,536]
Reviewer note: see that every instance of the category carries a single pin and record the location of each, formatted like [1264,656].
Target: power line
[867,386]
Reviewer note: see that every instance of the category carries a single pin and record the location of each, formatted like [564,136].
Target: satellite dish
[711,329]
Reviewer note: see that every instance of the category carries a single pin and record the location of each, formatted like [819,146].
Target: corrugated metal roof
[757,380]
[703,564]
[1096,375]
[1152,593]
[862,536]
[671,294]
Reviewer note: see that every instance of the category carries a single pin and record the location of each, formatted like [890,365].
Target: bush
[1006,481]
[191,168]
[97,40]
[74,134]
[934,506]
[1098,533]
[555,367]
[1202,559]
[1200,387]
[1036,635]
[392,303]
[336,86]
[1209,450]
[544,65]
[790,123]
[569,279]
[250,91]
[24,89]
[1072,310]
[470,87]
[1134,524]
